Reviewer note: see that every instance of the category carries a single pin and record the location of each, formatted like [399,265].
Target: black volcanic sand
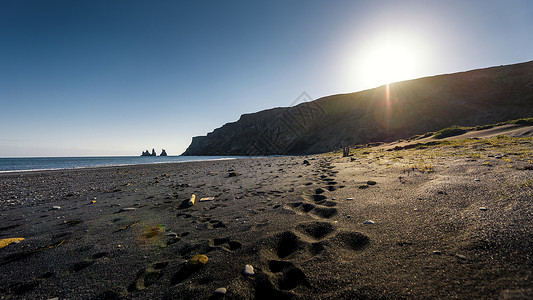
[451,220]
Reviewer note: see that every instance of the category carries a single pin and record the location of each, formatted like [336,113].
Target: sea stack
[163,153]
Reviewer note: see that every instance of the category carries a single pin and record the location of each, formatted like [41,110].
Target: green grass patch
[451,131]
[524,121]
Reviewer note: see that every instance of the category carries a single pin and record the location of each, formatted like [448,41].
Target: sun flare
[388,60]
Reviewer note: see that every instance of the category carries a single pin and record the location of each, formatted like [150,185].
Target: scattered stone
[371,182]
[199,260]
[477,179]
[363,187]
[221,291]
[483,208]
[248,270]
[349,199]
[368,222]
[127,209]
[461,257]
[192,200]
[436,252]
[498,156]
[55,207]
[233,174]
[306,162]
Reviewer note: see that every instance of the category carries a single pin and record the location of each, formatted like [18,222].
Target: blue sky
[84,78]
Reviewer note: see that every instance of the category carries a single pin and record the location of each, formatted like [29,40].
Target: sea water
[55,163]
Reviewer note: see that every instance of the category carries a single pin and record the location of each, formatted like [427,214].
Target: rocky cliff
[383,114]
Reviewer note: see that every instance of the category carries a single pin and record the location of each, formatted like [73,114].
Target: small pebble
[368,222]
[56,207]
[461,257]
[436,252]
[483,208]
[371,182]
[199,260]
[221,291]
[477,179]
[248,270]
[127,209]
[349,199]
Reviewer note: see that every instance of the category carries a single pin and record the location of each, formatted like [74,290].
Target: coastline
[73,163]
[444,225]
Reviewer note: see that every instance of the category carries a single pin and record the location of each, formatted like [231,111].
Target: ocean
[57,163]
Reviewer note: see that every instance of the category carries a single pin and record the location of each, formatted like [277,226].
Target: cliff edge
[383,114]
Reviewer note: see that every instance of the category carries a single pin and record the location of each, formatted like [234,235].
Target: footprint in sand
[148,276]
[314,210]
[87,263]
[225,244]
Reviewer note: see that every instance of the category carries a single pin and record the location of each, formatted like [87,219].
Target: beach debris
[483,208]
[93,202]
[207,199]
[369,222]
[248,270]
[5,242]
[221,291]
[56,207]
[198,260]
[192,200]
[233,174]
[371,182]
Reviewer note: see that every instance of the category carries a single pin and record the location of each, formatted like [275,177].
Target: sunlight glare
[387,61]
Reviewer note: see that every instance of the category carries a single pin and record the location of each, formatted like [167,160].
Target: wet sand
[445,220]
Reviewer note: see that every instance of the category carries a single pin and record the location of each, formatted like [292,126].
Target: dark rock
[163,153]
[427,104]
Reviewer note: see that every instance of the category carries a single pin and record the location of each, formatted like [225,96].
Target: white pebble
[483,208]
[56,207]
[248,270]
[221,291]
[349,199]
[461,257]
[368,222]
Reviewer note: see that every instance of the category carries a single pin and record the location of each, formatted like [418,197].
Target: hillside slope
[383,114]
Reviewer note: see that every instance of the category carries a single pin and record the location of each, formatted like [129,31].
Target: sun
[386,61]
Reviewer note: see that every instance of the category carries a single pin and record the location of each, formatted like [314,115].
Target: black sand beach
[448,219]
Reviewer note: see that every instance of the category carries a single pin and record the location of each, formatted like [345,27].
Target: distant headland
[147,153]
